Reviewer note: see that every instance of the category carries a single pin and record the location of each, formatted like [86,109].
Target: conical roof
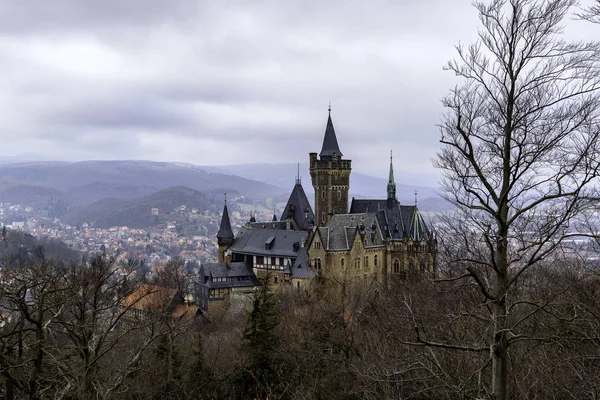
[330,143]
[298,208]
[225,228]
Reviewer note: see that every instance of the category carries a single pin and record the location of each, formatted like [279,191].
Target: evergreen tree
[261,375]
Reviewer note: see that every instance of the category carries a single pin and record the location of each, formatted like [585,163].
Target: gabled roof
[397,222]
[233,271]
[225,228]
[150,298]
[330,143]
[298,208]
[301,268]
[340,231]
[282,243]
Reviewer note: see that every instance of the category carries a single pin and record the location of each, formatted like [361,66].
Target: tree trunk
[500,352]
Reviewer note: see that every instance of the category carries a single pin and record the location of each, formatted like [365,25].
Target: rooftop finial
[225,197]
[329,108]
[415,197]
[298,181]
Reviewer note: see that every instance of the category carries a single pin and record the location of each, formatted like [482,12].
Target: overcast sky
[229,81]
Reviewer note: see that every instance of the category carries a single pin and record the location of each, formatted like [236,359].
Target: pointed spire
[225,230]
[415,198]
[274,215]
[391,186]
[330,143]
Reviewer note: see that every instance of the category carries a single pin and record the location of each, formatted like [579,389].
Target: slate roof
[232,272]
[301,268]
[298,208]
[253,241]
[340,231]
[282,225]
[330,143]
[396,221]
[225,228]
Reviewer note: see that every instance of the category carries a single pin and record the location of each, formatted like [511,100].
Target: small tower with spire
[225,233]
[330,176]
[391,186]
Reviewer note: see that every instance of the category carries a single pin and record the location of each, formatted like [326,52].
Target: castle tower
[391,186]
[225,234]
[330,176]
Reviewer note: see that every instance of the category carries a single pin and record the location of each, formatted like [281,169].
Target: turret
[225,233]
[330,177]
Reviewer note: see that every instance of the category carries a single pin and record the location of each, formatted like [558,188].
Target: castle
[373,240]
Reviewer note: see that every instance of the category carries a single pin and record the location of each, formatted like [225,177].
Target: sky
[226,82]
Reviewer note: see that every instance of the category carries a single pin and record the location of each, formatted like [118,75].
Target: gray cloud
[232,81]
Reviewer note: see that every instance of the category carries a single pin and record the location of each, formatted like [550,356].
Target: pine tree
[261,375]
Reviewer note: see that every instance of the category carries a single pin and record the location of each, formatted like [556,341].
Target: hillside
[43,184]
[24,244]
[136,212]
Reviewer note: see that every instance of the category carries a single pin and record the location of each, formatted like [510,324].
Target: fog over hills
[63,188]
[361,185]
[88,181]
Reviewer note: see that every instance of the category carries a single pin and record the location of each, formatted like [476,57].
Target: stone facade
[331,182]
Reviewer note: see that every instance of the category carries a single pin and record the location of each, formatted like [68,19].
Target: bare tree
[591,13]
[520,157]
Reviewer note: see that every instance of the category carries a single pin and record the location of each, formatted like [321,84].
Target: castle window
[260,260]
[317,245]
[318,264]
[273,261]
[396,266]
[366,261]
[275,279]
[342,261]
[422,267]
[357,266]
[323,195]
[375,260]
[323,216]
[298,285]
[339,194]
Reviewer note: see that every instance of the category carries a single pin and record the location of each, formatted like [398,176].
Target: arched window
[275,279]
[375,260]
[318,264]
[342,261]
[366,261]
[396,266]
[323,195]
[298,285]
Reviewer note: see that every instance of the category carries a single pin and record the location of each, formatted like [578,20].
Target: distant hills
[61,187]
[361,185]
[121,192]
[137,212]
